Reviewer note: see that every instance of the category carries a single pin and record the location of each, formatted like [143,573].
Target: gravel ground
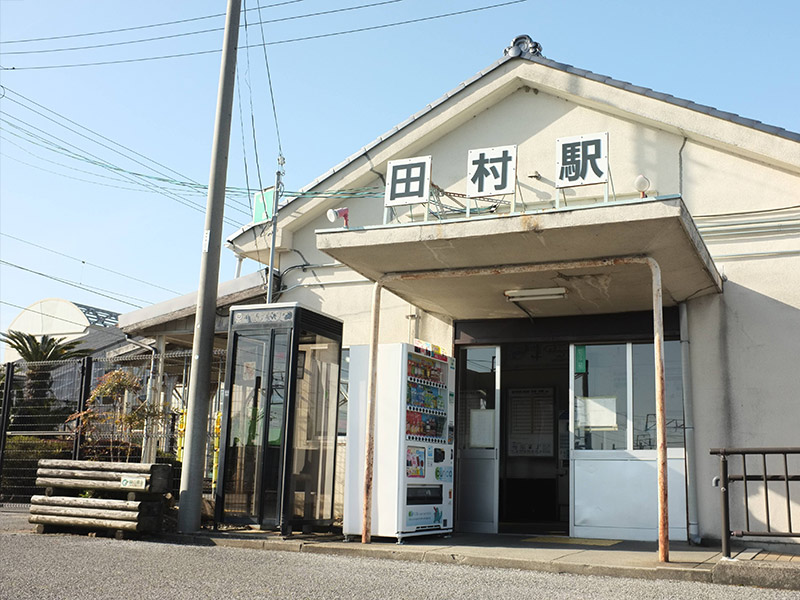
[76,567]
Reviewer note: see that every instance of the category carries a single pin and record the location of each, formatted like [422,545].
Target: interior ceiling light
[555,293]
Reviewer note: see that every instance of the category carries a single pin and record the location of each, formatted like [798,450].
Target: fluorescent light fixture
[556,293]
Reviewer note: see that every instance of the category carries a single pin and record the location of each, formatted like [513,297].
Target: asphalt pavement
[239,564]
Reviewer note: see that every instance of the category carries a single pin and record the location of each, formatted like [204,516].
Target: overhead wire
[86,262]
[87,288]
[274,43]
[123,29]
[48,144]
[94,133]
[252,111]
[269,78]
[198,32]
[101,136]
[241,126]
[41,168]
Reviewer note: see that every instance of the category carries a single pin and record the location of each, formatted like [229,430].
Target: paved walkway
[752,566]
[539,553]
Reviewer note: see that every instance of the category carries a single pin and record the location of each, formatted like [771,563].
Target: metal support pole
[372,385]
[5,416]
[275,193]
[726,516]
[661,413]
[85,391]
[148,435]
[203,343]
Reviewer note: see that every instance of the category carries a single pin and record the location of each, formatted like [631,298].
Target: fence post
[83,396]
[5,416]
[726,517]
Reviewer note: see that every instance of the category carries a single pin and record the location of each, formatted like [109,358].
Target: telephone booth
[278,434]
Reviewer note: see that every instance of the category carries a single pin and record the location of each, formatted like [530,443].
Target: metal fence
[127,409]
[768,477]
[38,400]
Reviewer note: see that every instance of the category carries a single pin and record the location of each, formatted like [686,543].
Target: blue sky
[64,215]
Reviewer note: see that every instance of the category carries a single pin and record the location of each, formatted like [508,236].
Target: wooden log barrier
[134,495]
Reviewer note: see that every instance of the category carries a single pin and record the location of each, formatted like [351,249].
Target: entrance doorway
[513,438]
[534,434]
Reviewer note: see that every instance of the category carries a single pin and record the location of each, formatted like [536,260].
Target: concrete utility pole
[275,196]
[203,345]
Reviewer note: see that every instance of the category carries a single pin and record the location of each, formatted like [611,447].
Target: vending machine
[414,427]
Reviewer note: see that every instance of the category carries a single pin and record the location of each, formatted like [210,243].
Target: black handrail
[745,477]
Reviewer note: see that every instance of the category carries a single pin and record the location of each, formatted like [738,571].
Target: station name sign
[580,160]
[246,317]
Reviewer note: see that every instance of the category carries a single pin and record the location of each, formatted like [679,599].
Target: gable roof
[522,62]
[546,62]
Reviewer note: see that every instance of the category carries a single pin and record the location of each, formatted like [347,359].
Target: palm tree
[34,410]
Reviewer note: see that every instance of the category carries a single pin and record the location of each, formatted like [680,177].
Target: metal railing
[756,481]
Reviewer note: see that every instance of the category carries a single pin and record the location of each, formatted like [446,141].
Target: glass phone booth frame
[278,434]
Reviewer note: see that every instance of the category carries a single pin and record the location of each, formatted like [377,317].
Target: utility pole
[203,345]
[275,196]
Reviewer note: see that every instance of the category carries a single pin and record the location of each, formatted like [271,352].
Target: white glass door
[478,443]
[613,470]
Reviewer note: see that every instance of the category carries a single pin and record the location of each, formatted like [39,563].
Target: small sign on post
[582,160]
[262,205]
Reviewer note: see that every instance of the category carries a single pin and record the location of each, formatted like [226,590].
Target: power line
[40,168]
[91,181]
[275,43]
[85,262]
[48,144]
[198,32]
[252,112]
[269,77]
[74,35]
[84,135]
[80,286]
[201,188]
[68,120]
[53,147]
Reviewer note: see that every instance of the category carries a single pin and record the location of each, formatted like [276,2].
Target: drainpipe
[688,419]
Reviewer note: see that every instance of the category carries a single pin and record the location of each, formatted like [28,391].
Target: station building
[518,223]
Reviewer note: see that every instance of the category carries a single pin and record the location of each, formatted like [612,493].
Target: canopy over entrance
[464,269]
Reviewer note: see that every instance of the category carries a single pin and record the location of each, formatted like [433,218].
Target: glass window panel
[644,399]
[601,399]
[275,426]
[477,398]
[344,391]
[244,457]
[316,407]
